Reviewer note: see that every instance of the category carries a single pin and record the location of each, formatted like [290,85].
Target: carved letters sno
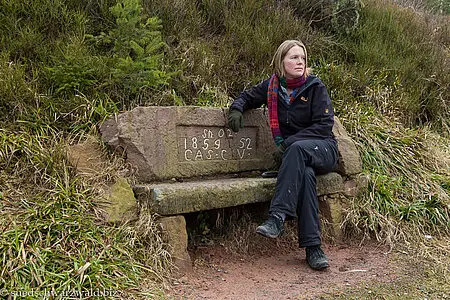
[215,143]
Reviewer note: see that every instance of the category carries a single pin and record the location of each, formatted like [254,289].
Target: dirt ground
[281,274]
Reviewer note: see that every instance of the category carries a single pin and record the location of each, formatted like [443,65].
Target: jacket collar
[312,80]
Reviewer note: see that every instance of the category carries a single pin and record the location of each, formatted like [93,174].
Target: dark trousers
[295,192]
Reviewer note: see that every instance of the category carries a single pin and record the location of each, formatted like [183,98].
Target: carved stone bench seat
[185,197]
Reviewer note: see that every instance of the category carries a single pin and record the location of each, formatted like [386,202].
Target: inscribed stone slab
[188,141]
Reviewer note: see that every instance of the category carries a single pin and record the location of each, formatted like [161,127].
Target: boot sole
[266,234]
[320,267]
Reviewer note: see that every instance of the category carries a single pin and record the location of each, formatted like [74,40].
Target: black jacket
[309,116]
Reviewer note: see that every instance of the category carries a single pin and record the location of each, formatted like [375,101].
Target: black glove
[235,120]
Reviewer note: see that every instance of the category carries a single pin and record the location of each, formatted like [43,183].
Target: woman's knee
[299,145]
[297,148]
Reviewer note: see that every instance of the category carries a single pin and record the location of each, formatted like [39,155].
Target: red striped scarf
[272,102]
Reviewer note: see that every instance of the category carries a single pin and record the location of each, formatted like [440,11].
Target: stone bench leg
[331,208]
[174,232]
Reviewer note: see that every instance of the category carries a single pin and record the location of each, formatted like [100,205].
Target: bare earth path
[281,275]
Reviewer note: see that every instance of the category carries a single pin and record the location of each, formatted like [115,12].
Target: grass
[52,236]
[407,181]
[234,229]
[409,51]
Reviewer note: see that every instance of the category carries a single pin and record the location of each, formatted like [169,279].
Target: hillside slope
[66,65]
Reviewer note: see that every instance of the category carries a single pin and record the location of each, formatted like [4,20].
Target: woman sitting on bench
[301,120]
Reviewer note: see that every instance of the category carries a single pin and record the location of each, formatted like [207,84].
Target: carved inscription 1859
[198,143]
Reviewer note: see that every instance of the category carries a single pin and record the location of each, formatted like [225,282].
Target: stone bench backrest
[187,141]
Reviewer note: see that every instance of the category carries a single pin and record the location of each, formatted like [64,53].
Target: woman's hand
[235,120]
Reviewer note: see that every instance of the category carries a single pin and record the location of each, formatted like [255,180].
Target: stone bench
[185,197]
[187,160]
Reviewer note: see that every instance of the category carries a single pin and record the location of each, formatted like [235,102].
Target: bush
[55,83]
[231,43]
[30,30]
[18,92]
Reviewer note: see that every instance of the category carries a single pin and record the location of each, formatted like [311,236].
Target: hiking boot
[316,259]
[271,228]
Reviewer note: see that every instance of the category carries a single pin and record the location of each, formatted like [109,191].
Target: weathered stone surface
[121,204]
[362,181]
[189,141]
[329,184]
[174,232]
[338,129]
[354,186]
[87,157]
[331,210]
[179,198]
[117,200]
[182,142]
[350,188]
[349,158]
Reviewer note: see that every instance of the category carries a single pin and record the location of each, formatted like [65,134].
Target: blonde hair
[277,60]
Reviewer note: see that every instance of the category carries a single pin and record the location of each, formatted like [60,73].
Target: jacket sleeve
[254,97]
[322,117]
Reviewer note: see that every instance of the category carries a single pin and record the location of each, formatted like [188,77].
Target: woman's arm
[254,97]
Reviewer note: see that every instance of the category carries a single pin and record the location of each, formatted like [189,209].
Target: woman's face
[294,62]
